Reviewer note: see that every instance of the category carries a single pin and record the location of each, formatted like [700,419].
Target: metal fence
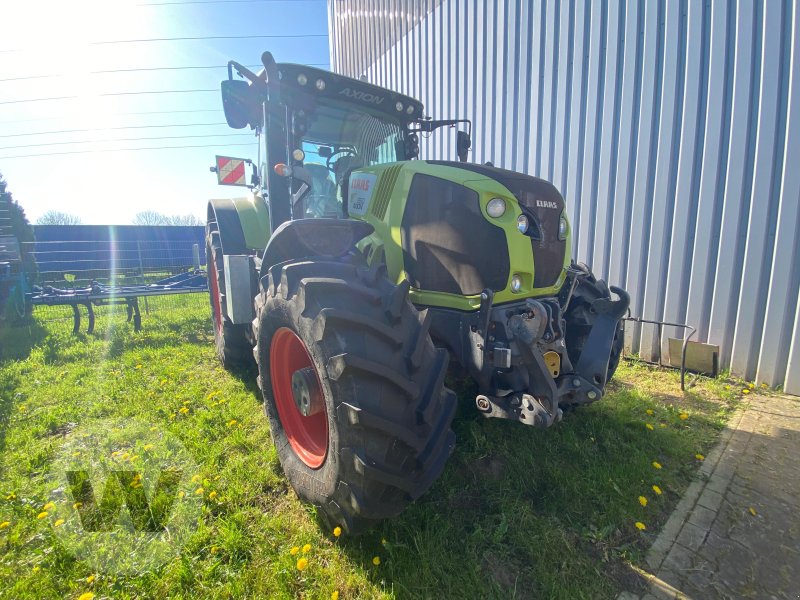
[78,264]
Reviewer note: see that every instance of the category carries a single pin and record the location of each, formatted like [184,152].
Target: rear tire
[232,346]
[382,381]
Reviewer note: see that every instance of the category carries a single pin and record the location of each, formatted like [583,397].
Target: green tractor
[355,271]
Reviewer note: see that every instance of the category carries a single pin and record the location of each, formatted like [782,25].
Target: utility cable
[124,150]
[136,139]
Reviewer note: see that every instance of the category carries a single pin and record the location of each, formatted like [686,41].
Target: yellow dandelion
[196,478]
[642,500]
[376,560]
[294,550]
[5,524]
[212,495]
[657,490]
[76,453]
[656,465]
[745,391]
[11,496]
[662,424]
[86,596]
[752,511]
[42,515]
[640,526]
[138,366]
[649,411]
[214,549]
[683,416]
[335,595]
[154,428]
[147,447]
[764,385]
[302,563]
[125,455]
[77,505]
[699,456]
[306,548]
[49,506]
[383,542]
[90,579]
[36,569]
[22,409]
[337,531]
[649,426]
[199,491]
[58,523]
[183,410]
[181,494]
[232,422]
[751,385]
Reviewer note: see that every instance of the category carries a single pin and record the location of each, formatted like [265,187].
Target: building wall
[672,128]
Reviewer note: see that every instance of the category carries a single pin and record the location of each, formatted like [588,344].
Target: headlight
[516,283]
[302,79]
[320,84]
[522,223]
[399,107]
[562,228]
[496,207]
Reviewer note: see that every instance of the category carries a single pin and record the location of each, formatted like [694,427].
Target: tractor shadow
[522,512]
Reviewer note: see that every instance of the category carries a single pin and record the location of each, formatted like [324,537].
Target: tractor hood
[544,206]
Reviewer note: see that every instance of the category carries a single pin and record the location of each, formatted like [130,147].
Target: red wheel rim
[216,304]
[308,436]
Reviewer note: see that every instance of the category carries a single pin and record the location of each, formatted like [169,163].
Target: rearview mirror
[241,104]
[463,144]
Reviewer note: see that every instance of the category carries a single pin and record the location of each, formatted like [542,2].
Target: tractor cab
[319,128]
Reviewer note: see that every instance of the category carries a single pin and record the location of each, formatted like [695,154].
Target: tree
[149,217]
[56,217]
[14,215]
[184,220]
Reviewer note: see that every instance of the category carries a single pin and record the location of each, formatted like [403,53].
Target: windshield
[338,139]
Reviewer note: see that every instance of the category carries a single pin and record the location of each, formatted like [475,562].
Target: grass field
[518,513]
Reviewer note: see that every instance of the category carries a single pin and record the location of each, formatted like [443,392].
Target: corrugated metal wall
[672,127]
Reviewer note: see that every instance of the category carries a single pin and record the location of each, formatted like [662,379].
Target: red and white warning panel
[230,171]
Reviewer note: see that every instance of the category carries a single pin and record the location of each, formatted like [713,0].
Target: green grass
[519,512]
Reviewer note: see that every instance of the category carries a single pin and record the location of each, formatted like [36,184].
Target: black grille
[540,199]
[448,245]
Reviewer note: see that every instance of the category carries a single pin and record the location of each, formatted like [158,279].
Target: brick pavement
[714,546]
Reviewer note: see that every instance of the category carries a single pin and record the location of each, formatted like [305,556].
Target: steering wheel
[330,160]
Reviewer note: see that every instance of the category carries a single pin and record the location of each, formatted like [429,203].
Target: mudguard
[303,238]
[243,223]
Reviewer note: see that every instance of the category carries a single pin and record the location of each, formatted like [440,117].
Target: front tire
[384,435]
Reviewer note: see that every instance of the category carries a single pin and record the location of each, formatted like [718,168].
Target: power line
[138,93]
[110,129]
[125,150]
[141,112]
[107,71]
[218,2]
[136,139]
[196,38]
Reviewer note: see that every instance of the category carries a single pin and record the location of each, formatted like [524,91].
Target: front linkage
[533,358]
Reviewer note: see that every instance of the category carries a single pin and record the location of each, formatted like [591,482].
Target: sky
[53,49]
